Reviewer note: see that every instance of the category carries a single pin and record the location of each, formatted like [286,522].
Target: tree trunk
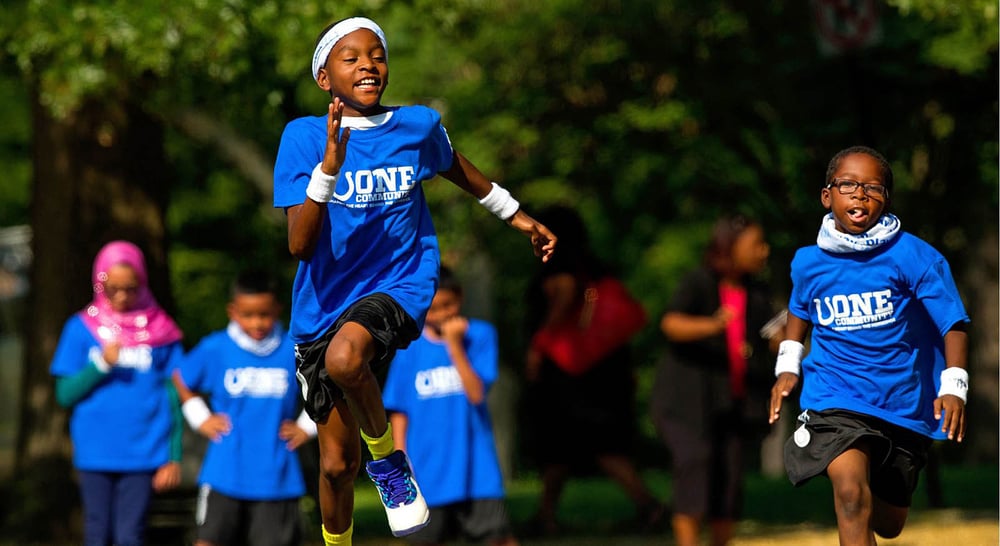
[99,175]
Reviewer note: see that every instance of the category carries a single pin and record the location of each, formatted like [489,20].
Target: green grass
[595,506]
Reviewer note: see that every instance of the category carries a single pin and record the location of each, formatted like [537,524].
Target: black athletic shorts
[225,520]
[479,520]
[384,319]
[897,454]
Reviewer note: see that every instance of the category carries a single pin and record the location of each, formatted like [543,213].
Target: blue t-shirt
[878,320]
[449,441]
[124,424]
[257,393]
[378,235]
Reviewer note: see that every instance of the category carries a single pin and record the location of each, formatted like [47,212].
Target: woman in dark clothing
[581,410]
[709,395]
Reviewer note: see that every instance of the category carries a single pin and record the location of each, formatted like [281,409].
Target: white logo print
[138,357]
[438,382]
[256,382]
[844,312]
[378,186]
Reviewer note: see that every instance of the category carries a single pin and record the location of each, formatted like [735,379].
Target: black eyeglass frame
[871,190]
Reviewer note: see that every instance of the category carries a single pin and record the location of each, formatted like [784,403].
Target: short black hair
[254,281]
[883,164]
[448,281]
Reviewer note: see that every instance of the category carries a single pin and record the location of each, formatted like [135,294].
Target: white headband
[337,32]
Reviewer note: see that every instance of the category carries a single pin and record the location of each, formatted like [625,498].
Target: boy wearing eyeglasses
[886,370]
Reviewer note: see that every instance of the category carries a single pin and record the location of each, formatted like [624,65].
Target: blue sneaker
[405,507]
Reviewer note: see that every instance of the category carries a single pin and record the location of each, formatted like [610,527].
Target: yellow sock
[382,446]
[343,539]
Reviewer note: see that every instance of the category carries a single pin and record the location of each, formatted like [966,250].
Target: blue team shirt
[878,320]
[257,393]
[124,424]
[378,235]
[449,441]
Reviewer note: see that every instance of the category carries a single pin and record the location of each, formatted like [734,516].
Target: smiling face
[357,72]
[858,211]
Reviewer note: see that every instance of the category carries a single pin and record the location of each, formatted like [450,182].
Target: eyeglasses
[847,186]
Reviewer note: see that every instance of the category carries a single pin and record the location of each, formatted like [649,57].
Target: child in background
[250,480]
[112,369]
[886,371]
[350,183]
[436,391]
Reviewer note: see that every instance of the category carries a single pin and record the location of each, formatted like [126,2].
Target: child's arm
[954,385]
[465,175]
[306,220]
[201,419]
[787,367]
[453,331]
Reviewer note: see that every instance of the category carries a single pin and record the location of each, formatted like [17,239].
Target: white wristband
[306,423]
[500,202]
[321,185]
[954,381]
[789,357]
[195,412]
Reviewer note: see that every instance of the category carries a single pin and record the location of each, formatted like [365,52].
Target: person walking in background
[886,370]
[112,368]
[250,481]
[351,184]
[712,384]
[581,384]
[436,392]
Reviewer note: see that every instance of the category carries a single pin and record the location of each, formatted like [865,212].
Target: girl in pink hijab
[112,369]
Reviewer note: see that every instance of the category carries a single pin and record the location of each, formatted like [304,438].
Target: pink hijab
[146,323]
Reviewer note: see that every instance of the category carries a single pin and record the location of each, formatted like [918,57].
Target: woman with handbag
[581,385]
[710,391]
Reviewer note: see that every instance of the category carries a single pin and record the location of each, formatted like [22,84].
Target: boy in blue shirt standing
[885,374]
[350,183]
[251,479]
[436,391]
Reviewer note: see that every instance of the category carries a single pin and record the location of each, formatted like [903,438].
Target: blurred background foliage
[651,117]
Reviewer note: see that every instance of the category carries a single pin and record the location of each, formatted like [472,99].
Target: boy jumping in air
[350,184]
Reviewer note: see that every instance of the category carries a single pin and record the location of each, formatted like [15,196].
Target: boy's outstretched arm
[791,348]
[466,176]
[954,384]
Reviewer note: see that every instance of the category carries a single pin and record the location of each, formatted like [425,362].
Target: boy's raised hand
[336,147]
[783,386]
[543,241]
[953,423]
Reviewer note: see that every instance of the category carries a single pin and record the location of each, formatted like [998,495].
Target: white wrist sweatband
[321,185]
[195,412]
[500,202]
[954,381]
[789,357]
[306,423]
